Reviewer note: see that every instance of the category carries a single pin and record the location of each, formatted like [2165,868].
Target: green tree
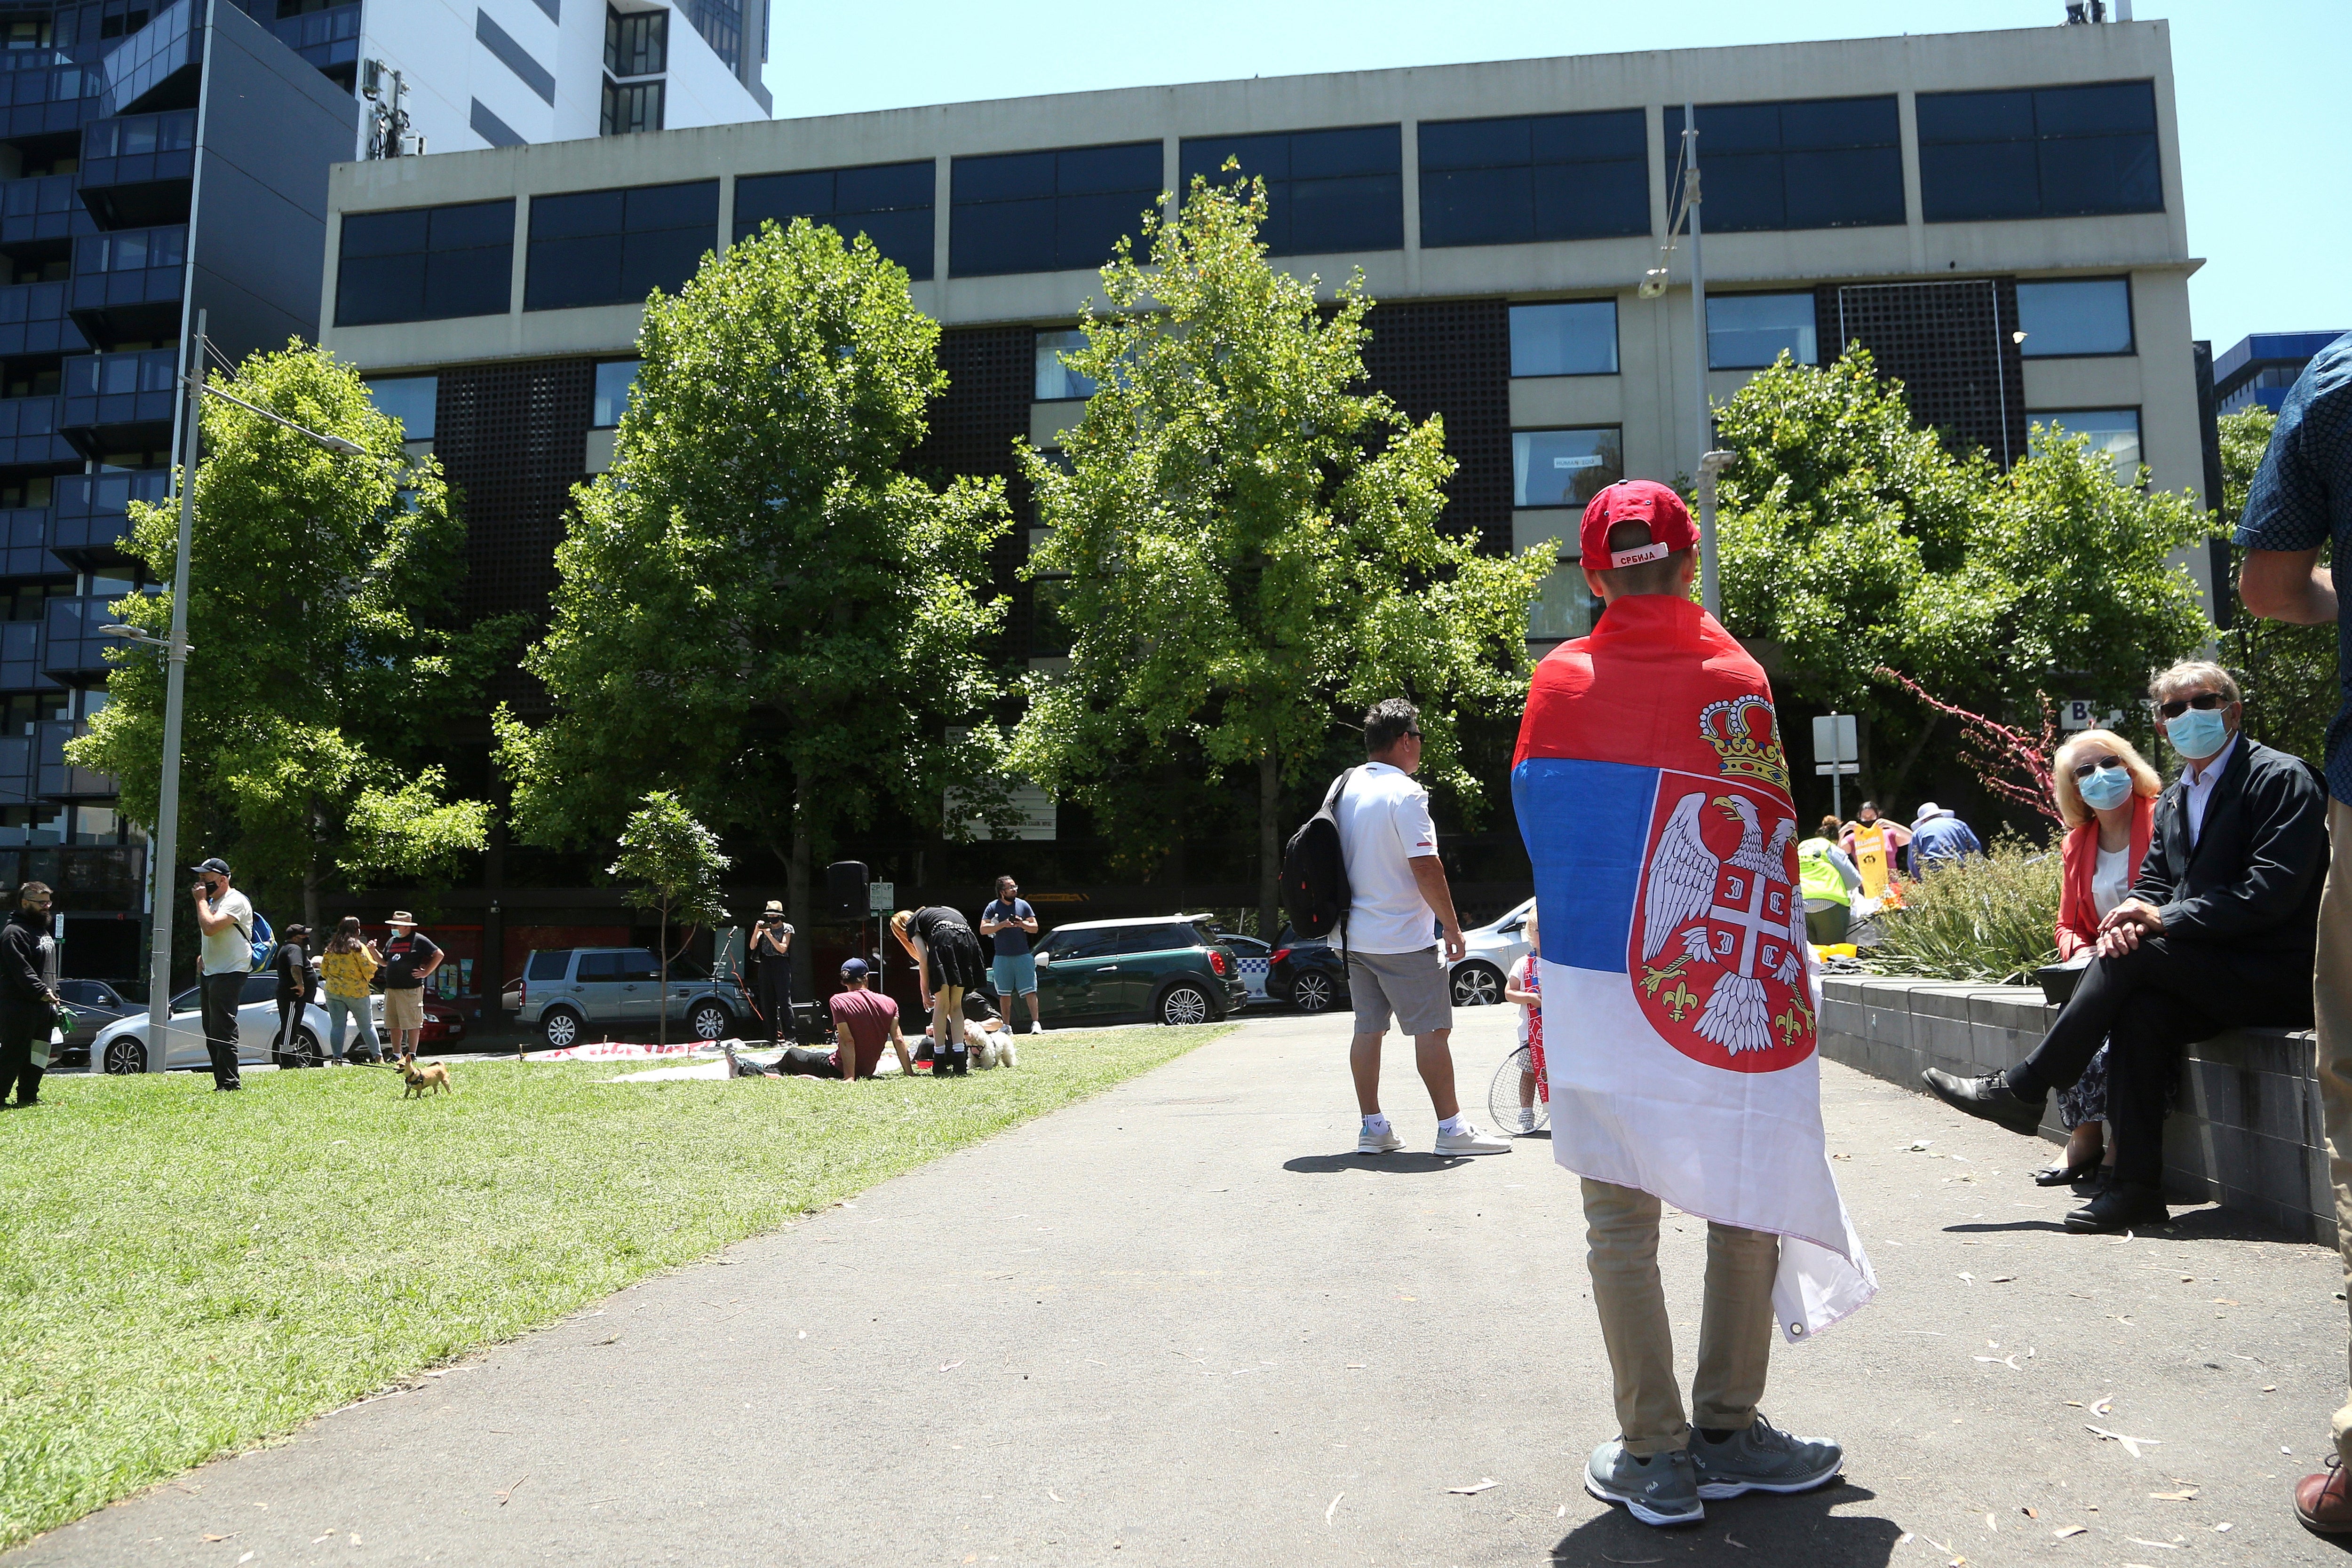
[1854,540]
[322,661]
[755,608]
[673,862]
[1247,538]
[2288,673]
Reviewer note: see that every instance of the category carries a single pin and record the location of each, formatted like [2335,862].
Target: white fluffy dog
[993,1047]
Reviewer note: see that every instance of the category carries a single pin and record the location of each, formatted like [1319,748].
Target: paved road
[1181,1324]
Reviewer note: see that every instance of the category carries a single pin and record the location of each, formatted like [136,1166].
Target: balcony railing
[129,267]
[90,522]
[47,206]
[28,431]
[329,38]
[20,657]
[33,320]
[25,542]
[58,779]
[133,388]
[19,770]
[73,649]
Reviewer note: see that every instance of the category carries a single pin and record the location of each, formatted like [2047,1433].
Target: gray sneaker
[1762,1459]
[1660,1489]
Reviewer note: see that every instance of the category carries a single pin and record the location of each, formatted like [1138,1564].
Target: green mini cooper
[1169,968]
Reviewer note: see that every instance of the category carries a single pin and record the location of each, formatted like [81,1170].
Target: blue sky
[2265,118]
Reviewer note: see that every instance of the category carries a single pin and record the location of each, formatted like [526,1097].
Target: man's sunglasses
[2204,702]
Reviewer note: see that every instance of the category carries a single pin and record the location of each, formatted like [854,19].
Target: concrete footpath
[1183,1324]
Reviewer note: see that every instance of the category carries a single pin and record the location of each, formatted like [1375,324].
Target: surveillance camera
[1653,284]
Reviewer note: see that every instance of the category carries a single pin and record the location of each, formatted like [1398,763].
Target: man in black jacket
[2219,932]
[28,994]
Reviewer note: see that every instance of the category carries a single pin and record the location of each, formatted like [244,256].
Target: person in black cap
[225,917]
[28,994]
[296,981]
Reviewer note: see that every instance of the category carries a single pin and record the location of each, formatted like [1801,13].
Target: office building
[1996,215]
[501,73]
[2256,371]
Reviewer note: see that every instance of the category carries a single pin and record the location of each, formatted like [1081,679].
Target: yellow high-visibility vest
[1817,876]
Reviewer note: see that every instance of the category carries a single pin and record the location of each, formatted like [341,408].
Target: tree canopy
[2288,673]
[1853,540]
[1245,539]
[756,608]
[323,662]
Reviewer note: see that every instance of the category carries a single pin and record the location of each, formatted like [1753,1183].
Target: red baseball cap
[1636,501]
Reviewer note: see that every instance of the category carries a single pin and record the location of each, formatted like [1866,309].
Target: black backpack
[1315,892]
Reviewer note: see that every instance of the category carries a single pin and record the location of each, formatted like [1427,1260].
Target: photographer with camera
[771,947]
[225,917]
[28,994]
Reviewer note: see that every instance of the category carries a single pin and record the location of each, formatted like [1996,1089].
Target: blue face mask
[2198,732]
[2108,787]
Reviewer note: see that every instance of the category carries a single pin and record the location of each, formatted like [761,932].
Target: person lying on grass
[864,1020]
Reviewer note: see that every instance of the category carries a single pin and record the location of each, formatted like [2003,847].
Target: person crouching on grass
[1524,985]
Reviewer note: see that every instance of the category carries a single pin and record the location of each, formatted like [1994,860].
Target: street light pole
[1710,582]
[165,870]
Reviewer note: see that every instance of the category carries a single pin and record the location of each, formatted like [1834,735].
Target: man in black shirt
[409,959]
[28,994]
[292,966]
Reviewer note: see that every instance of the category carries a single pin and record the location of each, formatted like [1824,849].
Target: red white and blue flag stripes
[1679,995]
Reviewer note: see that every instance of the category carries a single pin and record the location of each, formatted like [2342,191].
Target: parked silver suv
[564,989]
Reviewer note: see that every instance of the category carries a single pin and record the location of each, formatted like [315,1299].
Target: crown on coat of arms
[1742,731]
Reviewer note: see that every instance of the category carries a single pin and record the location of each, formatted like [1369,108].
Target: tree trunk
[1269,848]
[1903,771]
[661,949]
[311,901]
[796,891]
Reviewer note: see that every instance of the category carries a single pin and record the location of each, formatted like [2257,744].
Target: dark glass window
[890,203]
[1575,337]
[1748,332]
[1047,212]
[2075,316]
[1819,163]
[1055,380]
[637,43]
[425,264]
[1327,192]
[616,380]
[2039,152]
[2114,434]
[1550,176]
[410,399]
[631,107]
[1564,468]
[614,247]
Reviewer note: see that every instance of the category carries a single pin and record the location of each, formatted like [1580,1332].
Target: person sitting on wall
[2220,931]
[2106,794]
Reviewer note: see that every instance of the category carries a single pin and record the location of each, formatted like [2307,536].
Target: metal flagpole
[1710,584]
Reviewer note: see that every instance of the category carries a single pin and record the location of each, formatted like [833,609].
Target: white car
[121,1046]
[1490,951]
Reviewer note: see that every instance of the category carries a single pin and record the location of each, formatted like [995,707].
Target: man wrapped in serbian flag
[1652,792]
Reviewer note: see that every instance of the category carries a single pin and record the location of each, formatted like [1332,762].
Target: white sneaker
[1471,1140]
[1526,1119]
[1036,1026]
[1371,1143]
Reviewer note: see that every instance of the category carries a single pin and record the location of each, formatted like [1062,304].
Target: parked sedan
[1172,970]
[121,1046]
[95,1004]
[1255,957]
[1492,949]
[1307,972]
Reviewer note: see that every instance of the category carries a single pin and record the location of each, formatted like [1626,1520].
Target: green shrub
[1990,919]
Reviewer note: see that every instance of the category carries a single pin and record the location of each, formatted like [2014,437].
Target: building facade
[501,73]
[2257,370]
[1997,216]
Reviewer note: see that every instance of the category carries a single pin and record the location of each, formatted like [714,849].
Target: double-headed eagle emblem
[1737,913]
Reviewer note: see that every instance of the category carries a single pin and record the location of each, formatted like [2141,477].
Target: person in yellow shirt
[1873,846]
[348,965]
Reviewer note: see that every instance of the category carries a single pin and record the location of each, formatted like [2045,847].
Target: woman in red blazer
[2106,797]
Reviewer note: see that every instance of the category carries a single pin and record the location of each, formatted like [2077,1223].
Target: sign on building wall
[1036,815]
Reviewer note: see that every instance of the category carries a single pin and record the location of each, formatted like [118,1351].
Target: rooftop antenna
[388,134]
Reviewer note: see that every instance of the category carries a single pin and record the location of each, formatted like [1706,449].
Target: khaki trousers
[2332,1011]
[1735,1334]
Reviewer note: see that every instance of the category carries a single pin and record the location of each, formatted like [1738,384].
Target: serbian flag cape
[1679,997]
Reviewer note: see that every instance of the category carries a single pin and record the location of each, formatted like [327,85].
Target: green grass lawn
[183,1273]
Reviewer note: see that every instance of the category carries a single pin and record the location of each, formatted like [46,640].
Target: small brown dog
[433,1076]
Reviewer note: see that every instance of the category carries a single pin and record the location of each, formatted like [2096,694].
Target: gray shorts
[1411,985]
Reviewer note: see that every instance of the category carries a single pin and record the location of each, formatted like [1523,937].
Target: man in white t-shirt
[225,917]
[1398,900]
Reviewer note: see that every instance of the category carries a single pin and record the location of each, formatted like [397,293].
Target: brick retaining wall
[2245,1132]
